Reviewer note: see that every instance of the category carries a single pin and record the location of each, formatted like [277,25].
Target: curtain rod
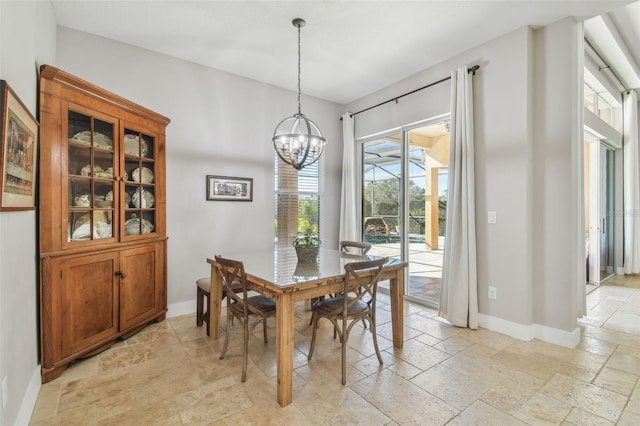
[472,70]
[606,64]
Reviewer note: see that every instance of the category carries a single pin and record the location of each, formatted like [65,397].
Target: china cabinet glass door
[139,176]
[91,177]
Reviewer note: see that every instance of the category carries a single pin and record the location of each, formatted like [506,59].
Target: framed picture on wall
[226,188]
[19,153]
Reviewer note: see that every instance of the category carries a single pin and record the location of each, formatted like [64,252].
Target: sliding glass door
[600,198]
[404,181]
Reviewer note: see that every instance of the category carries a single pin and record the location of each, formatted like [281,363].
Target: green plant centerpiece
[307,245]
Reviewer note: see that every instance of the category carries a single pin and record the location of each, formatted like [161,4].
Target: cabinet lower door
[88,301]
[141,286]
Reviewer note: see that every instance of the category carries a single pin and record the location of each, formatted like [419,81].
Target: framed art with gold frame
[18,154]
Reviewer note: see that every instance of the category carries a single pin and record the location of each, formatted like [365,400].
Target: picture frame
[227,188]
[18,153]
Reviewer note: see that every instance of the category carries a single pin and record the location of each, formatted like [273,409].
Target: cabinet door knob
[120,274]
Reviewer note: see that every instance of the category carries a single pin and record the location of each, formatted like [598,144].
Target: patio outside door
[404,181]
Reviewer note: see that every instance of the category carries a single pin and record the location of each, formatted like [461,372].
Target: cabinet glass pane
[79,192]
[103,194]
[86,130]
[136,224]
[84,226]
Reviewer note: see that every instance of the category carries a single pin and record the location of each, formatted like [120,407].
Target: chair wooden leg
[264,327]
[344,354]
[314,322]
[375,337]
[245,349]
[205,318]
[199,306]
[226,335]
[314,300]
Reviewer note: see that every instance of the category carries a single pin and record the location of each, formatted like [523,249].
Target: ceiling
[349,48]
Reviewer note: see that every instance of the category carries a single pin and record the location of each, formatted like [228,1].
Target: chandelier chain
[299,108]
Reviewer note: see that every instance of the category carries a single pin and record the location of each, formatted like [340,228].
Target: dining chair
[354,247]
[242,306]
[348,247]
[356,302]
[203,292]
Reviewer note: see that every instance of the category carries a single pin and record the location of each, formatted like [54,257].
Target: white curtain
[459,288]
[348,209]
[631,184]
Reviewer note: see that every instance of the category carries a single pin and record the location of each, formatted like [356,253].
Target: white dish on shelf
[142,174]
[97,172]
[82,200]
[127,198]
[133,226]
[134,145]
[82,228]
[142,199]
[99,139]
[86,170]
[103,175]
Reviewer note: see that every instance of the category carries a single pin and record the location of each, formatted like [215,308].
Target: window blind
[297,203]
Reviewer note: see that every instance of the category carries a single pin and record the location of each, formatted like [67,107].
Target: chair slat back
[361,279]
[232,271]
[359,247]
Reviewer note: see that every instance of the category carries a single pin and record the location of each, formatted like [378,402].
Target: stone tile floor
[170,374]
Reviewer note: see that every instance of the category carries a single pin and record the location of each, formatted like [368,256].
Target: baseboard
[568,339]
[181,308]
[620,271]
[30,398]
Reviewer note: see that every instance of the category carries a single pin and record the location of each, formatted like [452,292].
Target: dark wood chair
[203,292]
[357,302]
[354,247]
[249,310]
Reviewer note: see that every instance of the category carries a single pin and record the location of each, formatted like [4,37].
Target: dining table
[277,274]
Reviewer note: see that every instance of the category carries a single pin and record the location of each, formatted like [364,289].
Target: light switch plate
[492,217]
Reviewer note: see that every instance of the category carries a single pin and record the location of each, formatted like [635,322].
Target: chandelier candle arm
[297,139]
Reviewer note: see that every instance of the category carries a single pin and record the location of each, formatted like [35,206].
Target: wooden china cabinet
[102,223]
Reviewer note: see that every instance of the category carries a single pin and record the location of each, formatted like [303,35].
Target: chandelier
[298,140]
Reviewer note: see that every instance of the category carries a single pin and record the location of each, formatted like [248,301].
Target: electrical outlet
[492,293]
[5,392]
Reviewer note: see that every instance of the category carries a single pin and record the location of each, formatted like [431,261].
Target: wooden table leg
[397,308]
[215,304]
[285,327]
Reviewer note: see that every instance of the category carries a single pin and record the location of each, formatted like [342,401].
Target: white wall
[558,138]
[27,38]
[221,124]
[511,94]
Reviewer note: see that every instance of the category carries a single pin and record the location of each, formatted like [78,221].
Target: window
[589,98]
[605,111]
[601,104]
[297,201]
